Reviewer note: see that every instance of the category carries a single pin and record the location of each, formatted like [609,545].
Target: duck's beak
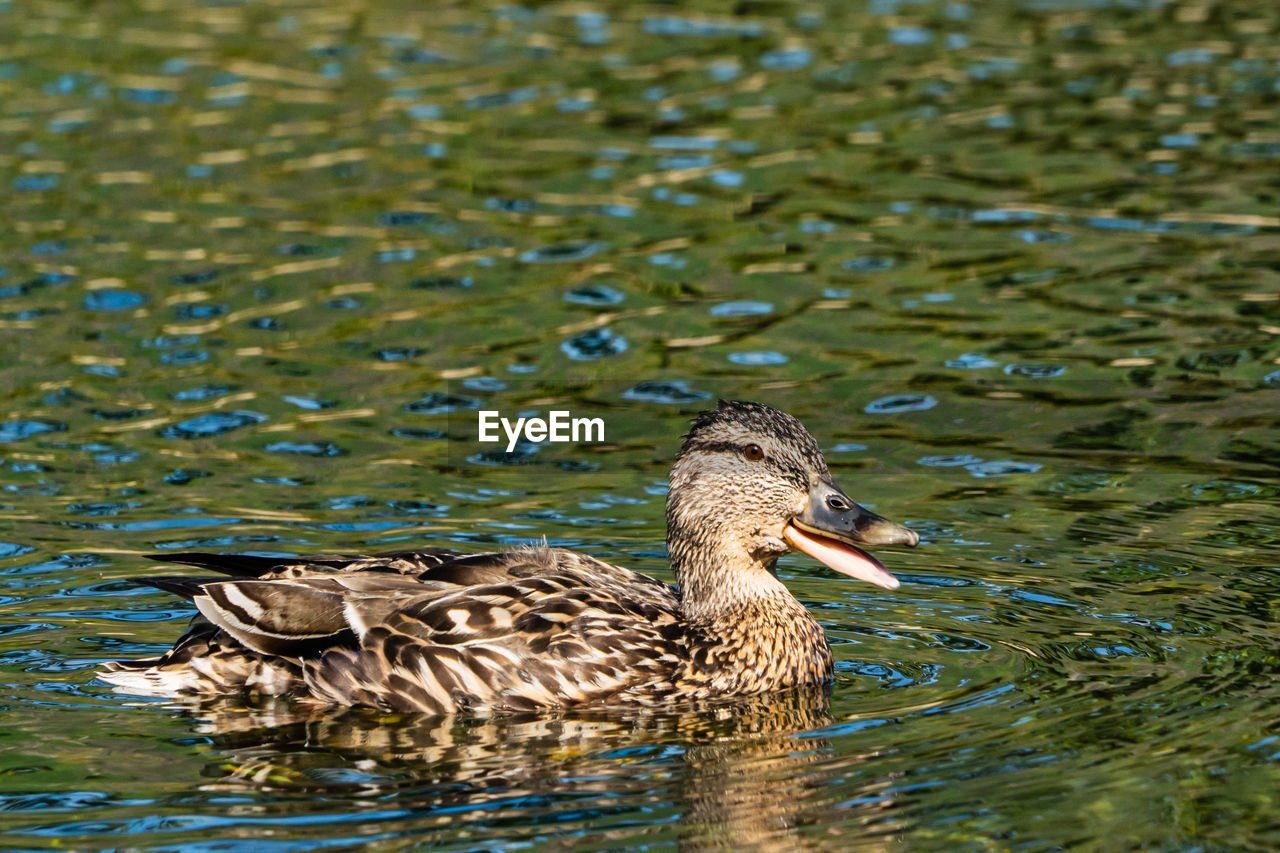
[831,527]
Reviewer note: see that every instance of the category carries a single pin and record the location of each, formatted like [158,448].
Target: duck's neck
[752,633]
[714,589]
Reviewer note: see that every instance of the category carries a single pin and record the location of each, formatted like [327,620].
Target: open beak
[831,527]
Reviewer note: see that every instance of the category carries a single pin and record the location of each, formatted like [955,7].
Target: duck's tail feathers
[236,565]
[188,588]
[148,678]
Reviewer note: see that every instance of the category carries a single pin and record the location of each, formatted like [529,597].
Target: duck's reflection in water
[748,774]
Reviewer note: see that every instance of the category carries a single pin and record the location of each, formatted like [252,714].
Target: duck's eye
[753,452]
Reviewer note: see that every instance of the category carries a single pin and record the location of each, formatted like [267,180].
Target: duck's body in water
[544,627]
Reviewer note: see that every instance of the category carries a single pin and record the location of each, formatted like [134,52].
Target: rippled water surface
[1016,264]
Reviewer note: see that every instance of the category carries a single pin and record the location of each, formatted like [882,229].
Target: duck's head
[750,485]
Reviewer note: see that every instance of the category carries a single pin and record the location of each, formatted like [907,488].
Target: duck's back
[423,631]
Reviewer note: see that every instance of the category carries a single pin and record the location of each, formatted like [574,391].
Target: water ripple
[675,391]
[896,403]
[741,309]
[214,423]
[18,430]
[594,344]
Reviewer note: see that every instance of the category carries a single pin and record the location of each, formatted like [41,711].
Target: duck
[539,627]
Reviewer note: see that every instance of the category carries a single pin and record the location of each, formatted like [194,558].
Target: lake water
[1016,265]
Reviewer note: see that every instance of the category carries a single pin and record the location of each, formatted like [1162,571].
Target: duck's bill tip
[841,557]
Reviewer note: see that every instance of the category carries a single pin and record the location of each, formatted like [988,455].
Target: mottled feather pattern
[536,627]
[547,628]
[551,634]
[207,661]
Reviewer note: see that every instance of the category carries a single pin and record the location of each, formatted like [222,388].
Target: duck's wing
[209,660]
[530,628]
[552,629]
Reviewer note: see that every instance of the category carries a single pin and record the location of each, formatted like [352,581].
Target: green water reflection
[1016,264]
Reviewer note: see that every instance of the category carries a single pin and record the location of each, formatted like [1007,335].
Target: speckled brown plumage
[535,627]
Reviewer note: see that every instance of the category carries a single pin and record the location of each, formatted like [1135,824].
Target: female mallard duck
[542,627]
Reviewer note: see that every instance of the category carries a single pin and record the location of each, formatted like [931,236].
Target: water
[262,264]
